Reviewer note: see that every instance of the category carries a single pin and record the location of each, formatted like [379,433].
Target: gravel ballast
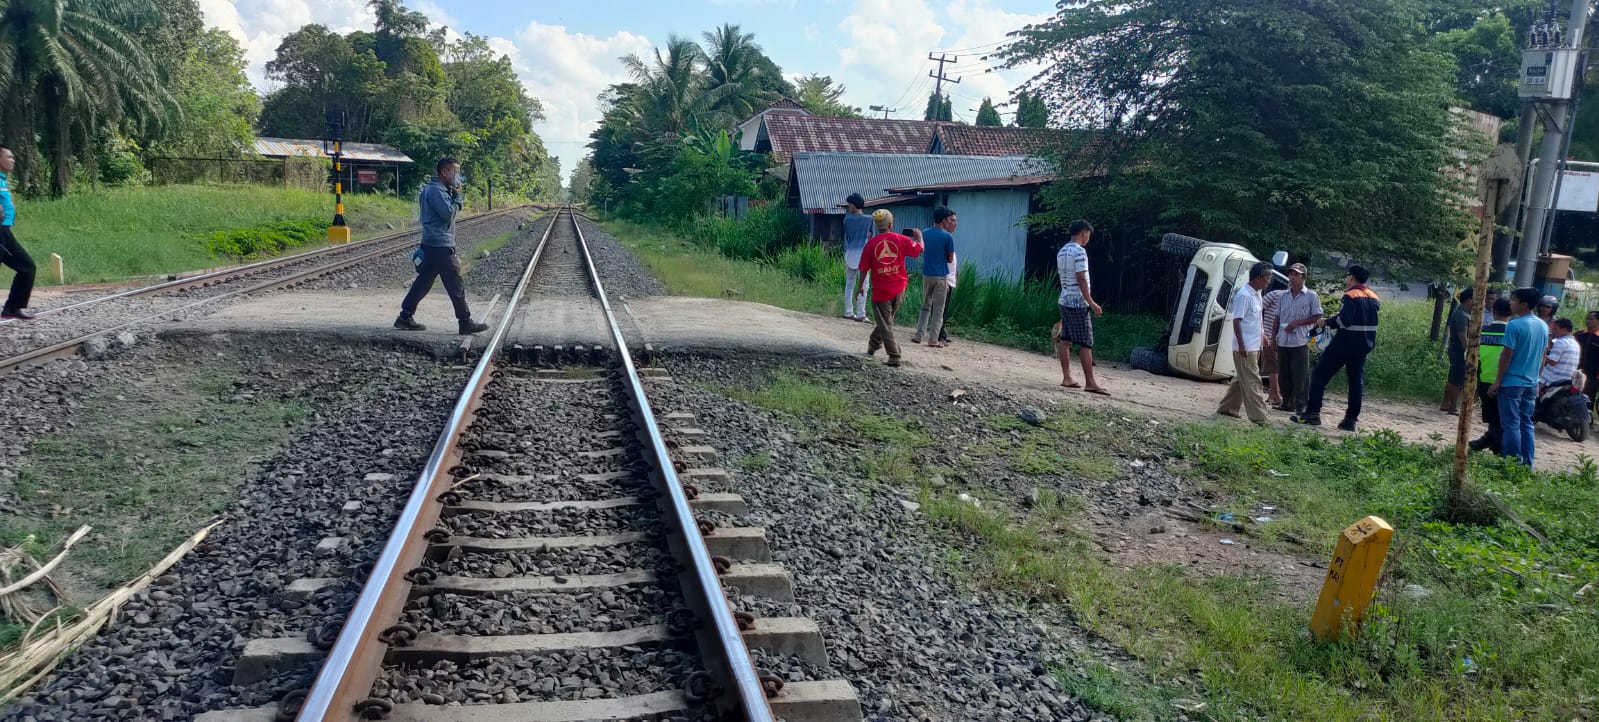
[913,639]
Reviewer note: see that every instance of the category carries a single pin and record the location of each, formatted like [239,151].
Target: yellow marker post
[59,266]
[1351,577]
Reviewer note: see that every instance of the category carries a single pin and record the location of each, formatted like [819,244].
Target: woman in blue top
[11,252]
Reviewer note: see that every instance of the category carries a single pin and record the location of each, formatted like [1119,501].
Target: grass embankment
[146,466]
[1473,621]
[1406,364]
[130,232]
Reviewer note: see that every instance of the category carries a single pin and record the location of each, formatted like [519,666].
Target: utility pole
[1510,219]
[885,110]
[938,87]
[1551,67]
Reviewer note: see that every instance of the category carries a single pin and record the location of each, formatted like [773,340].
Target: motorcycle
[1563,408]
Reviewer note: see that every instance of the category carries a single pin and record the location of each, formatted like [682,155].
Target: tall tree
[1031,112]
[939,107]
[1269,151]
[821,96]
[68,67]
[988,115]
[219,105]
[738,72]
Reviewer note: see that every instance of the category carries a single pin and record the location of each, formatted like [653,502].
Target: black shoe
[1305,420]
[470,327]
[17,314]
[1346,425]
[407,323]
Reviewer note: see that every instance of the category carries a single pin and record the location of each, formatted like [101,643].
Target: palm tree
[670,95]
[69,67]
[739,73]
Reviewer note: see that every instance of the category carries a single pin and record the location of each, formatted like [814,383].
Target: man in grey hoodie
[440,201]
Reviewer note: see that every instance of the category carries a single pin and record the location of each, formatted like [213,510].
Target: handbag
[416,258]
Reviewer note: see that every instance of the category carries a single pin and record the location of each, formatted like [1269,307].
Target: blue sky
[567,52]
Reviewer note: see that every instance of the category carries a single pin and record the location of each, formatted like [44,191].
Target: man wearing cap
[1298,311]
[1356,323]
[857,230]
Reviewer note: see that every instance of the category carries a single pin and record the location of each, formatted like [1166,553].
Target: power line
[975,47]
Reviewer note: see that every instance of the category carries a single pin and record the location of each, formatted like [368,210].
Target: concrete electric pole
[1551,68]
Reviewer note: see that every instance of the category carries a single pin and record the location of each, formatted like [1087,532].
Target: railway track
[564,555]
[201,290]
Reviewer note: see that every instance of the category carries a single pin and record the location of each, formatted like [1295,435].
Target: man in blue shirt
[938,253]
[858,229]
[1516,385]
[440,202]
[11,252]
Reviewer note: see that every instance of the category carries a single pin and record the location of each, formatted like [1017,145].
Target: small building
[992,194]
[367,166]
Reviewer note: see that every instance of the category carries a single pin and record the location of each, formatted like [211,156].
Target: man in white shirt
[1560,367]
[1248,333]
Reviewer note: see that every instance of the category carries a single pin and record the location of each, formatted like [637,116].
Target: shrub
[264,240]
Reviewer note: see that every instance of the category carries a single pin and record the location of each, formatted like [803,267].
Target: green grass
[488,247]
[147,465]
[1226,640]
[122,233]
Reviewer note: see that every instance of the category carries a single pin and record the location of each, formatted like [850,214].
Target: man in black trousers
[11,252]
[440,201]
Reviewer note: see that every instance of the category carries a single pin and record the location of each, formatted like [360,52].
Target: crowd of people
[1524,348]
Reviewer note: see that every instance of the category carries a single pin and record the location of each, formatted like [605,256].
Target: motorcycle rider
[1560,366]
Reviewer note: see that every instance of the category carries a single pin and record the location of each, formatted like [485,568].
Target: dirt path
[684,319]
[711,325]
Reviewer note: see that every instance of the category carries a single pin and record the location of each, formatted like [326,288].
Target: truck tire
[1180,245]
[1151,359]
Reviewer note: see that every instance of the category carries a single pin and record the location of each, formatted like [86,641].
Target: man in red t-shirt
[884,262]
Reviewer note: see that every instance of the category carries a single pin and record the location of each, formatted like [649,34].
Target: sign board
[368,177]
[1579,191]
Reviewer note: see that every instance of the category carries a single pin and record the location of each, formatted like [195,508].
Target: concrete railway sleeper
[127,309]
[564,555]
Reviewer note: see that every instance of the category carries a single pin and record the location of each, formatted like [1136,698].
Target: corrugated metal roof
[825,179]
[787,134]
[994,140]
[980,184]
[292,147]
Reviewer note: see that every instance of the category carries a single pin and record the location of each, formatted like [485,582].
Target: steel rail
[730,650]
[66,348]
[346,677]
[247,269]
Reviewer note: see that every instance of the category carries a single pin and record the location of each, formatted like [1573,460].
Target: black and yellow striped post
[333,145]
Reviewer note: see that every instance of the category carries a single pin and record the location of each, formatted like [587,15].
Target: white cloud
[886,44]
[259,25]
[566,71]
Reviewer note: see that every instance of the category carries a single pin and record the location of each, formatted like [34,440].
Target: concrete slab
[483,585]
[827,701]
[258,714]
[477,544]
[300,590]
[660,703]
[464,648]
[505,507]
[264,658]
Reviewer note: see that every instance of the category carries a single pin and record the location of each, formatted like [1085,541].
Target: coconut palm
[69,67]
[740,75]
[670,94]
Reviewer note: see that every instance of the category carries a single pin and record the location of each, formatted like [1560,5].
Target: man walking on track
[1298,311]
[939,252]
[857,231]
[1076,302]
[1248,337]
[11,252]
[884,263]
[1356,323]
[440,202]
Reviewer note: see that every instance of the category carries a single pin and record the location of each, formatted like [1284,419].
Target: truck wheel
[1180,245]
[1151,359]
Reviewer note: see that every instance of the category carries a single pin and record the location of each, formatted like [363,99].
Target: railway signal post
[333,145]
